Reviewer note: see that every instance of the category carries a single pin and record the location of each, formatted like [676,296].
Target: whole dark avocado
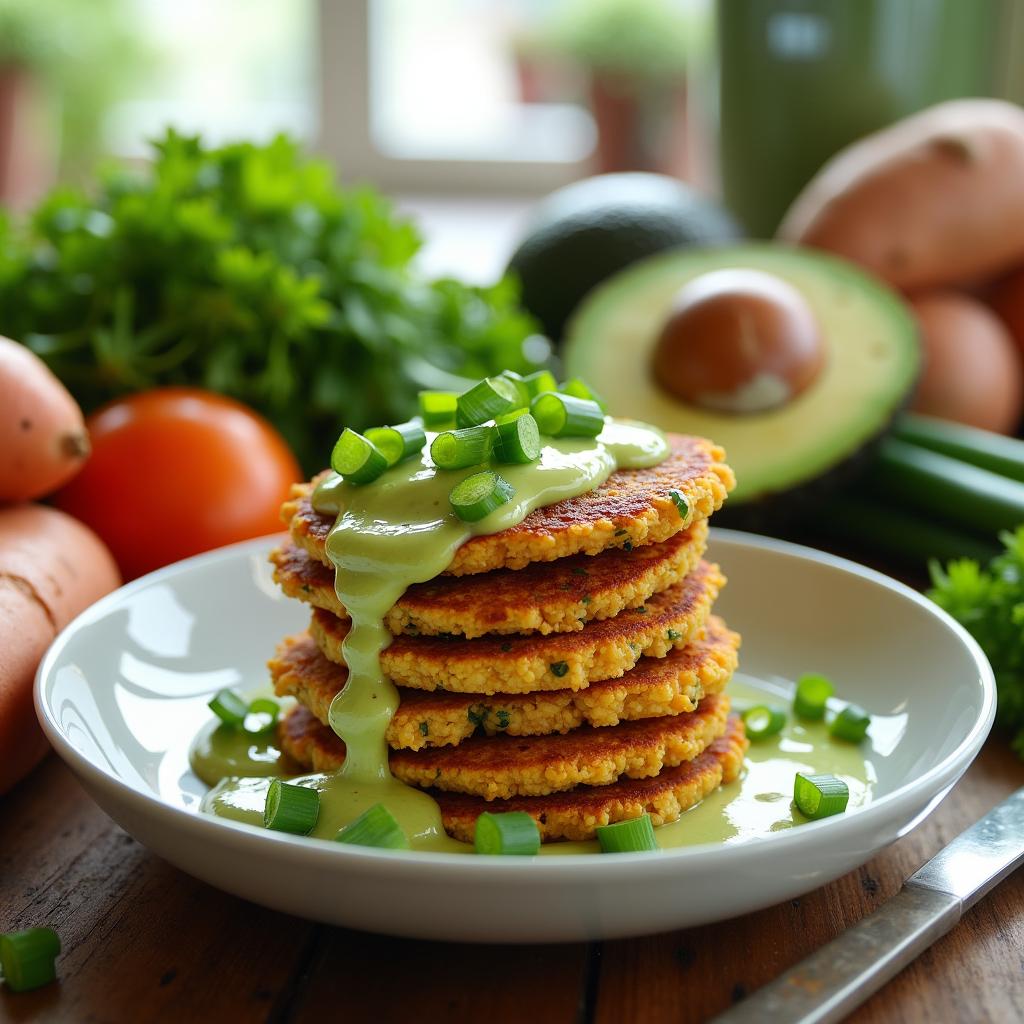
[591,229]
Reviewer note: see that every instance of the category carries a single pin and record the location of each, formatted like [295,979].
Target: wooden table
[144,942]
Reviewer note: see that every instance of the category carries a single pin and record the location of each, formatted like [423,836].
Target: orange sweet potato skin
[51,568]
[936,199]
[43,440]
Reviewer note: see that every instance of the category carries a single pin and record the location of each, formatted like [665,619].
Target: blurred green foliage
[247,270]
[85,53]
[638,40]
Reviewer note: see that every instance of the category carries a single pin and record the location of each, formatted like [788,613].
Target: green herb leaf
[558,668]
[246,269]
[989,603]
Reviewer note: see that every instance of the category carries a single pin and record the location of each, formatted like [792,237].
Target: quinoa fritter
[575,815]
[656,687]
[558,661]
[558,598]
[632,508]
[572,815]
[501,767]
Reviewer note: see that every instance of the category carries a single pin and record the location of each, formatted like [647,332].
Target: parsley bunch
[989,603]
[247,270]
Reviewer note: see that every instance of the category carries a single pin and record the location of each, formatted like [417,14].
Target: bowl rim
[901,803]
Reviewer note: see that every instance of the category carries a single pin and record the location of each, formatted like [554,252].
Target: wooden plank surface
[144,942]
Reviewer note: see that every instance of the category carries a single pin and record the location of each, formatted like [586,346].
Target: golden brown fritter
[557,661]
[631,508]
[575,815]
[572,815]
[555,598]
[500,767]
[656,687]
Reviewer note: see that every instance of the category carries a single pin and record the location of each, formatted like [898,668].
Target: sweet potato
[51,568]
[936,199]
[43,440]
[973,371]
[1007,299]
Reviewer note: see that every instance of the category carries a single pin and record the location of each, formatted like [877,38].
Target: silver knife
[830,983]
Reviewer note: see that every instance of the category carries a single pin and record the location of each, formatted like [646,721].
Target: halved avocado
[871,362]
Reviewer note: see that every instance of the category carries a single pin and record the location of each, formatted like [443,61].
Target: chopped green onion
[851,724]
[267,709]
[820,796]
[513,833]
[479,495]
[518,438]
[680,502]
[482,402]
[357,459]
[578,389]
[27,958]
[565,416]
[539,382]
[812,694]
[398,443]
[438,409]
[632,836]
[374,827]
[762,721]
[522,391]
[291,808]
[457,449]
[229,707]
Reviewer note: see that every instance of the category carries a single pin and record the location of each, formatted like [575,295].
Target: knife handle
[841,975]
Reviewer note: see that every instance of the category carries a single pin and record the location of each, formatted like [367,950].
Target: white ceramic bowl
[124,688]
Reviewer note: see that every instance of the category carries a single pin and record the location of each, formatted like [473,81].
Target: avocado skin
[587,231]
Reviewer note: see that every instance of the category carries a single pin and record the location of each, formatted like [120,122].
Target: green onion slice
[358,460]
[229,707]
[812,694]
[513,833]
[457,449]
[374,827]
[680,502]
[851,724]
[762,721]
[27,958]
[578,389]
[633,836]
[479,495]
[820,796]
[267,711]
[565,416]
[518,438]
[539,382]
[398,443]
[486,400]
[438,409]
[291,808]
[523,395]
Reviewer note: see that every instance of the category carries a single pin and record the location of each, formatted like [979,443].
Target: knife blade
[831,982]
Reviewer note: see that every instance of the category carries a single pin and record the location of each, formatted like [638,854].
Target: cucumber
[995,452]
[944,489]
[898,533]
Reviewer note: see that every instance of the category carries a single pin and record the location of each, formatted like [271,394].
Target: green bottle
[800,79]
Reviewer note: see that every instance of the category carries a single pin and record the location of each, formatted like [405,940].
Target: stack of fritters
[569,667]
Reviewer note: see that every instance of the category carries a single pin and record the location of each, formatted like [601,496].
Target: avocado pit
[738,341]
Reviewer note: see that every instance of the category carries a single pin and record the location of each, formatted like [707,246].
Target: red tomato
[176,471]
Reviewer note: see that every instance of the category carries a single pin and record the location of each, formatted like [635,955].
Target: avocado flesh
[872,362]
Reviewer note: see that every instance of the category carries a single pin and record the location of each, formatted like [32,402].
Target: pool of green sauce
[758,803]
